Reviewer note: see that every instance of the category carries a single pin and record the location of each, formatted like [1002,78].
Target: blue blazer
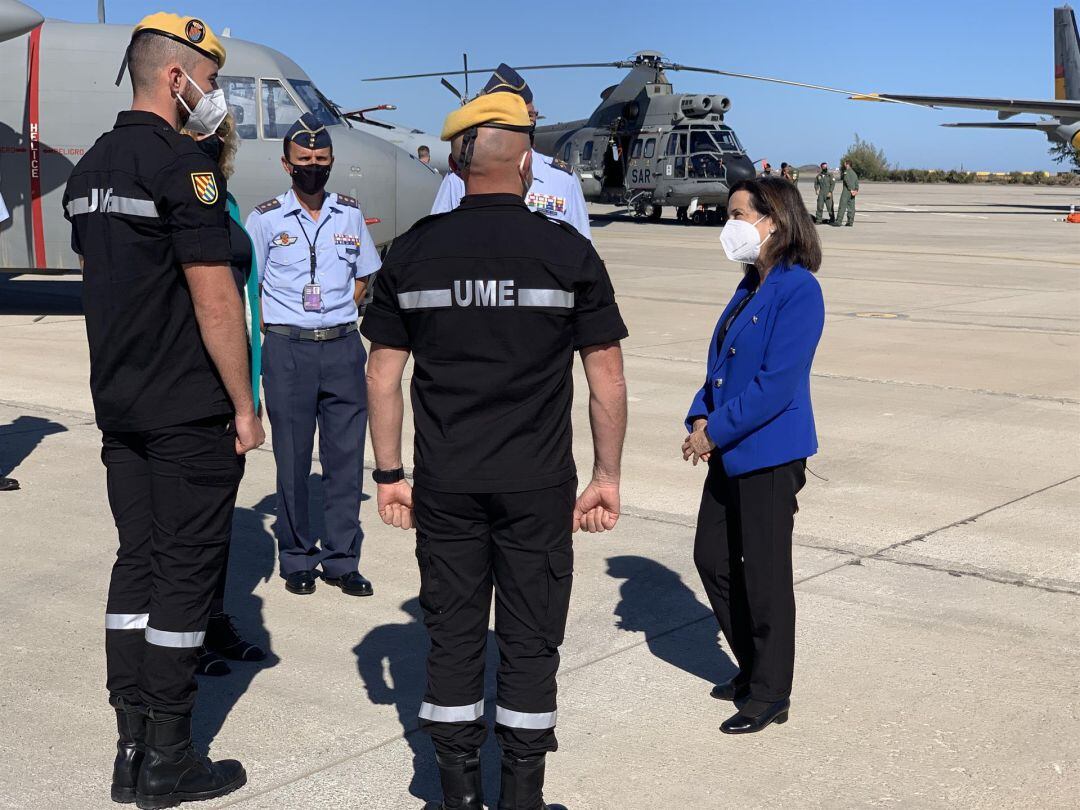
[757,392]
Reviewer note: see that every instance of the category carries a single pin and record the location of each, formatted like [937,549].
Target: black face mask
[310,178]
[212,146]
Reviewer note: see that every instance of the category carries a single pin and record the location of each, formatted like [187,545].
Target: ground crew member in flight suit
[556,190]
[492,301]
[824,185]
[314,254]
[172,396]
[847,196]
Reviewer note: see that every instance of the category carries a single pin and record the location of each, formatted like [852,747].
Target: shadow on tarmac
[19,439]
[252,559]
[656,602]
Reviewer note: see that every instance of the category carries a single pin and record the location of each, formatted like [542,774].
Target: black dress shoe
[747,724]
[351,583]
[301,582]
[8,484]
[730,691]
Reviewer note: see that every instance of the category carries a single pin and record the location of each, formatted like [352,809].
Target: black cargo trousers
[520,545]
[172,491]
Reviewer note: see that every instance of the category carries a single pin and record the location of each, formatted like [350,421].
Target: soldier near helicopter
[847,196]
[824,184]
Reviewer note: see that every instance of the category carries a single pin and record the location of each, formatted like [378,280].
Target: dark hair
[422,150]
[794,239]
[149,52]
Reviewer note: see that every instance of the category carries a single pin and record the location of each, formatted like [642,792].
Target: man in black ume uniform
[172,396]
[492,301]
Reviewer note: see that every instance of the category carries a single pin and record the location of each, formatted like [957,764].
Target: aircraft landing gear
[700,217]
[656,213]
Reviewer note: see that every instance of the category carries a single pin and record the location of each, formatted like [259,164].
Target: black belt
[329,333]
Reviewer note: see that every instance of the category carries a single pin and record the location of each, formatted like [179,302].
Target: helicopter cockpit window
[279,110]
[726,139]
[586,152]
[635,150]
[706,166]
[240,97]
[566,152]
[650,147]
[319,105]
[701,141]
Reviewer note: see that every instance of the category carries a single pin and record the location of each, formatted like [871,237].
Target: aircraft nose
[738,168]
[16,19]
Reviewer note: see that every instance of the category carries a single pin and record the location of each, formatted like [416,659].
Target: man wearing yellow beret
[492,301]
[169,379]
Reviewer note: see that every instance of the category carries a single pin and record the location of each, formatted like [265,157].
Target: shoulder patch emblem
[269,205]
[562,165]
[205,187]
[283,239]
[345,199]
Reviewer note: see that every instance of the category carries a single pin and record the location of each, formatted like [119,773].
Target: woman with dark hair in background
[222,640]
[753,424]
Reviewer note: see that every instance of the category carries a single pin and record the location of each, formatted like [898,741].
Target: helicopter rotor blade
[450,87]
[770,79]
[465,62]
[622,64]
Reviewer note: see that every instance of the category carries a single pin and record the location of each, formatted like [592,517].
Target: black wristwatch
[388,476]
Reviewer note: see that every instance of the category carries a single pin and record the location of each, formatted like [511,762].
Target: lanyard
[311,245]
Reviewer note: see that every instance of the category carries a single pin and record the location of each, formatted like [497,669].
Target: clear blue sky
[956,47]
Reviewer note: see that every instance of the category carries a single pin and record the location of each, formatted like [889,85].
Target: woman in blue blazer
[752,422]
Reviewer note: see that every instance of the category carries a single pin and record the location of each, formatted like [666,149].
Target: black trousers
[172,493]
[518,544]
[743,553]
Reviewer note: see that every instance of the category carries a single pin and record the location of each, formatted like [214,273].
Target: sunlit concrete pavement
[937,557]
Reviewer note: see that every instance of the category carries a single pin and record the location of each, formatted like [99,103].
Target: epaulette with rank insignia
[345,199]
[269,205]
[562,165]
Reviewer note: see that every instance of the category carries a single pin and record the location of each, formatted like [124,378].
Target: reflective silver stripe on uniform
[113,205]
[508,717]
[424,299]
[126,621]
[545,298]
[452,714]
[167,638]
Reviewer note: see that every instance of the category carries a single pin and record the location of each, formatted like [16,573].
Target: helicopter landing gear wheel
[655,213]
[700,217]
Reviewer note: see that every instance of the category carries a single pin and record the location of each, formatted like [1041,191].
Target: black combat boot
[223,639]
[172,772]
[130,749]
[462,785]
[523,784]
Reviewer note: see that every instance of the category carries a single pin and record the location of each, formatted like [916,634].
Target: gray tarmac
[936,553]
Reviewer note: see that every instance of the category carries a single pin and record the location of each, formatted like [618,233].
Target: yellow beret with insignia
[191,31]
[500,110]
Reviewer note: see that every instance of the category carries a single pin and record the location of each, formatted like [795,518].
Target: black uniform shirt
[492,300]
[143,201]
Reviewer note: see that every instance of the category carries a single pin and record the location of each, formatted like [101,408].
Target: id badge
[312,298]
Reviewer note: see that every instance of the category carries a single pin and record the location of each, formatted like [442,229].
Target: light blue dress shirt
[344,252]
[554,193]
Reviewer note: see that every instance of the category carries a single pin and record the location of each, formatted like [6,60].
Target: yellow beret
[503,110]
[191,31]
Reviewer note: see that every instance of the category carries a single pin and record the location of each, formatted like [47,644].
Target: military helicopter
[67,98]
[646,146]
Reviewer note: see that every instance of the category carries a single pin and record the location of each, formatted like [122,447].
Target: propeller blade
[849,93]
[450,87]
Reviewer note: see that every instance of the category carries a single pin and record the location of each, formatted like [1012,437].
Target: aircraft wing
[1008,106]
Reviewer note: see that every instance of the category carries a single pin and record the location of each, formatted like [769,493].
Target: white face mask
[741,240]
[208,113]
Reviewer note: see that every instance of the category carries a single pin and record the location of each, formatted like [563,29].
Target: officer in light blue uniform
[555,191]
[314,255]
